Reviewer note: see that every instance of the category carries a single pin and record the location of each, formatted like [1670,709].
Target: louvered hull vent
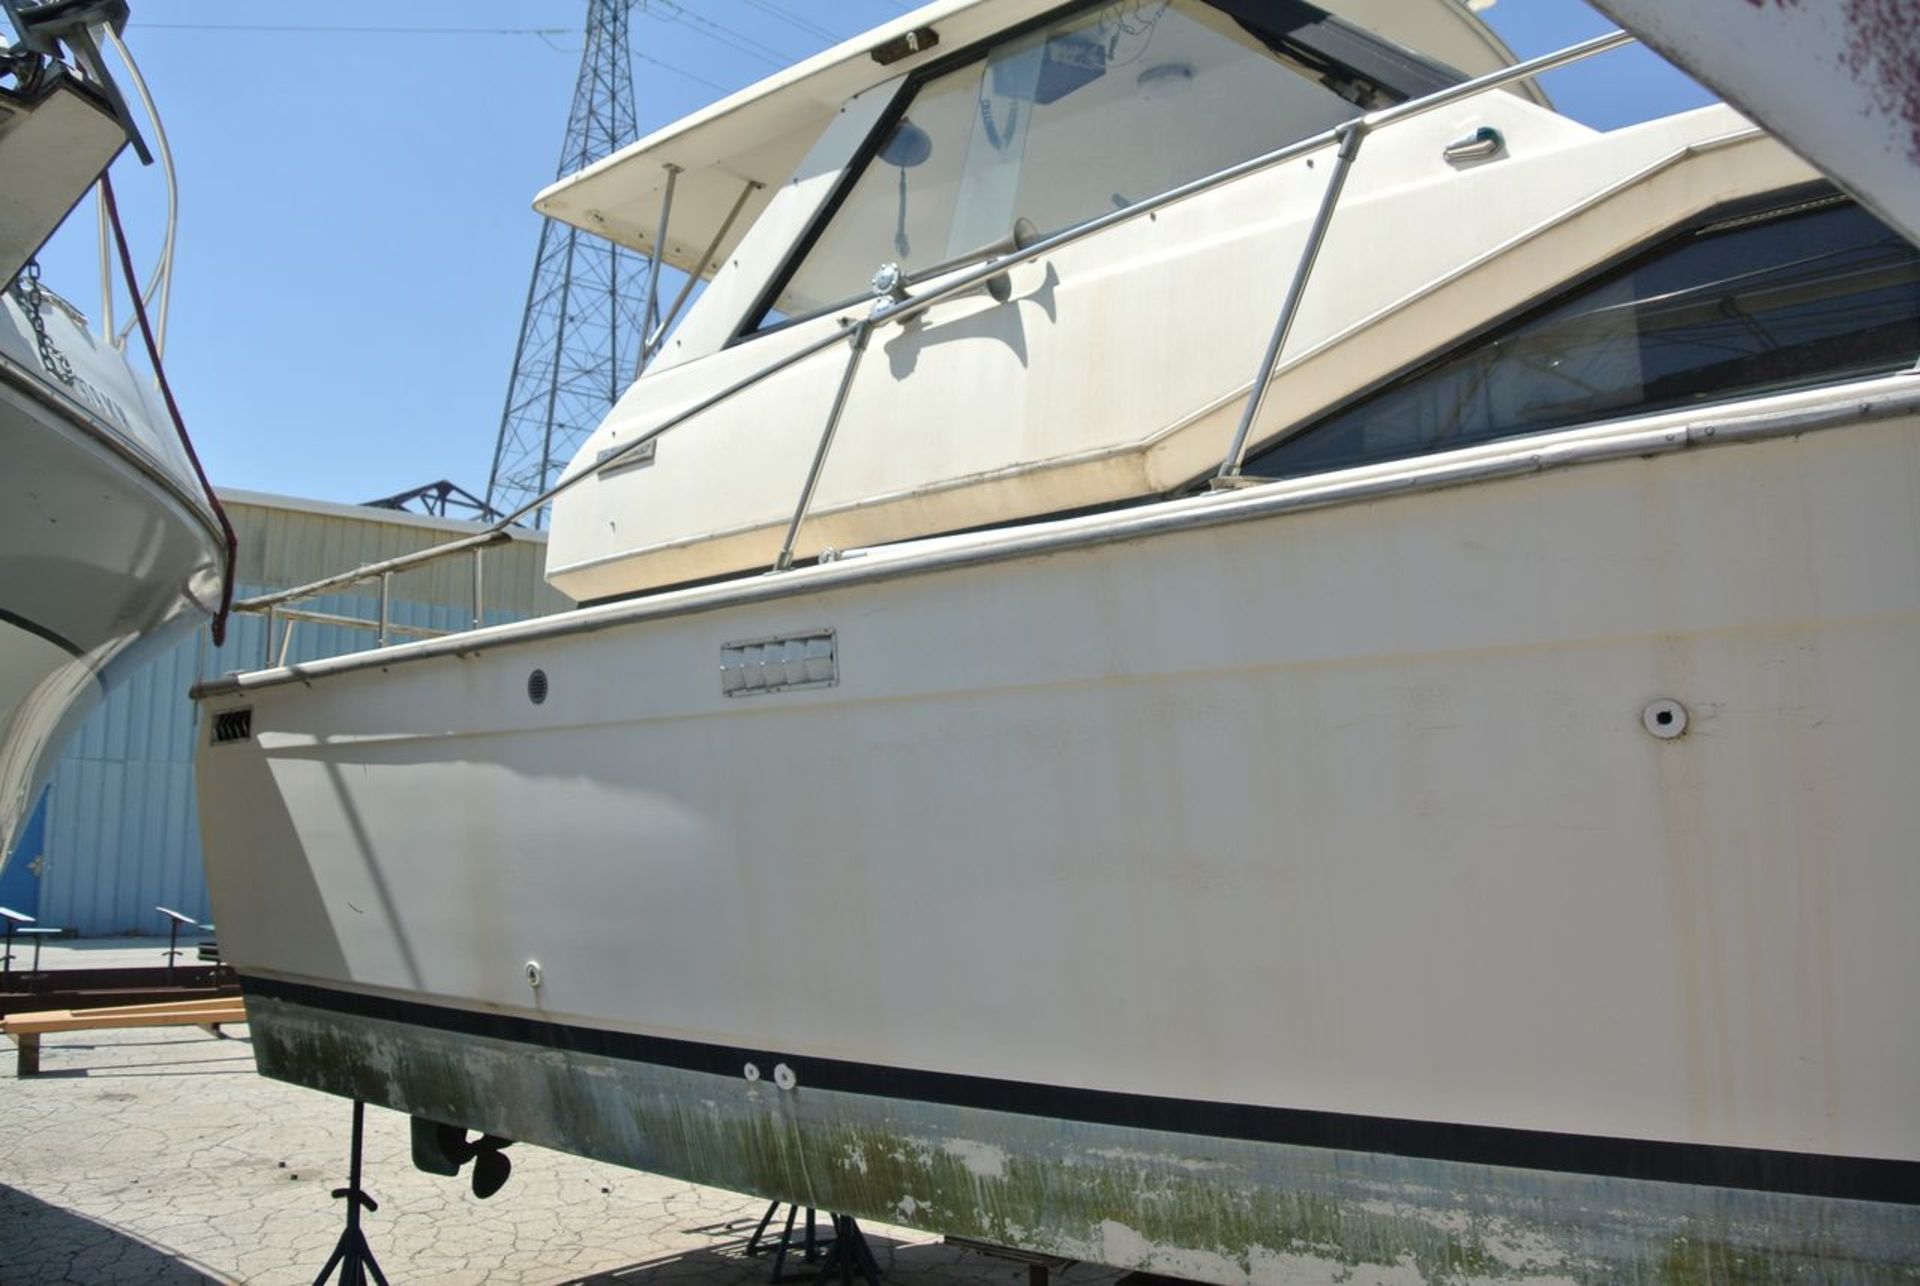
[233,725]
[758,666]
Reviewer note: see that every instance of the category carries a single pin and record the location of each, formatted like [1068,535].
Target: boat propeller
[443,1149]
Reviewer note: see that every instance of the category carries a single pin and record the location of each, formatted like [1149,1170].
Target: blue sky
[355,231]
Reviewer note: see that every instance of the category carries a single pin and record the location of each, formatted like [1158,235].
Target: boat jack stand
[811,1244]
[352,1255]
[849,1256]
[844,1252]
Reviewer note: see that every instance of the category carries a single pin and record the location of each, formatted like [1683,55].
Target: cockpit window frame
[1335,44]
[1329,42]
[1772,206]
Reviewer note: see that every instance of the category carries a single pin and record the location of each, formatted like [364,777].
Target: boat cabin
[1112,367]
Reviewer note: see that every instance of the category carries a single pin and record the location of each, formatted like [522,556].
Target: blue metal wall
[122,834]
[122,829]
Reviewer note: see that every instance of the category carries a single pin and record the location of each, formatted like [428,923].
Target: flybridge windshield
[1087,114]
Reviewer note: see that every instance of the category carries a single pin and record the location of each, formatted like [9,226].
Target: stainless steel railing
[893,302]
[276,606]
[157,294]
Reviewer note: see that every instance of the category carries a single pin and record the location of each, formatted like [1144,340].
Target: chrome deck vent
[781,664]
[233,725]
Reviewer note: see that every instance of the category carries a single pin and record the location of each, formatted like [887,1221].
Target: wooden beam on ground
[27,1029]
[57,1020]
[146,1007]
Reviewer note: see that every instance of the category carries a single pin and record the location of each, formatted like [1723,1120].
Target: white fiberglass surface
[25,660]
[97,378]
[1057,126]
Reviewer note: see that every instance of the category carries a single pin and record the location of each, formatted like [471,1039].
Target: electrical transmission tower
[580,336]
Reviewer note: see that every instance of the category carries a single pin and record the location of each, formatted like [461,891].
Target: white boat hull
[105,543]
[54,143]
[1285,886]
[1838,82]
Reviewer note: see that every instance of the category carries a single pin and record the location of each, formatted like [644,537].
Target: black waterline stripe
[1756,1169]
[42,632]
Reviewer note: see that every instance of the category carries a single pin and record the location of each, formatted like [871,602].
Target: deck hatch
[783,664]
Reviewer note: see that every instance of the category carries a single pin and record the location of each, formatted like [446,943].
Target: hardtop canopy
[761,134]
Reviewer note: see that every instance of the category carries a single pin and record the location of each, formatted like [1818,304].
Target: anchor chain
[32,300]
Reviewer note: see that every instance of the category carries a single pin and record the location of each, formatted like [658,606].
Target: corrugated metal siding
[122,834]
[280,547]
[123,828]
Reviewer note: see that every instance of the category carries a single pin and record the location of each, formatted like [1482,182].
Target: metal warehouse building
[118,831]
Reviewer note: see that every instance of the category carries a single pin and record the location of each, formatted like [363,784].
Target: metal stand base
[1040,1267]
[849,1258]
[844,1252]
[352,1256]
[811,1244]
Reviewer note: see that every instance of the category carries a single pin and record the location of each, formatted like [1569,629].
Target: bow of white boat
[111,542]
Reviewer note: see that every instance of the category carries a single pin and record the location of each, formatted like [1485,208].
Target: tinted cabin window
[1751,307]
[1070,121]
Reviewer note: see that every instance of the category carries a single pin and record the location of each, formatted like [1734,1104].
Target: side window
[1750,306]
[1069,121]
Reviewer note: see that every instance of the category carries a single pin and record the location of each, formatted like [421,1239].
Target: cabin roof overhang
[760,135]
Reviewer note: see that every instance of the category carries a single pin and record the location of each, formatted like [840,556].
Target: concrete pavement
[159,1156]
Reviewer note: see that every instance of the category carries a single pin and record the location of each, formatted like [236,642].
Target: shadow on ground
[43,1243]
[59,1052]
[727,1263]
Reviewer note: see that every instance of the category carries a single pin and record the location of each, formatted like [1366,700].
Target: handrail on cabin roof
[886,308]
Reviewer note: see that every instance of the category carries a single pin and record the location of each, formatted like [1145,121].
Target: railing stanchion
[1351,135]
[857,345]
[106,267]
[286,643]
[266,650]
[647,312]
[386,607]
[479,587]
[652,342]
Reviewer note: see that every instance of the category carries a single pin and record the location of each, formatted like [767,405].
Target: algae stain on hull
[1222,1211]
